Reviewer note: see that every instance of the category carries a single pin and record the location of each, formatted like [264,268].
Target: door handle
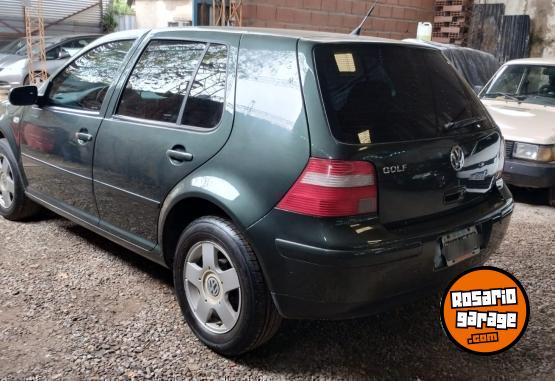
[83,137]
[179,155]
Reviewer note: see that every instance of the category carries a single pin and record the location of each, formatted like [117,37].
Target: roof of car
[295,33]
[532,61]
[287,33]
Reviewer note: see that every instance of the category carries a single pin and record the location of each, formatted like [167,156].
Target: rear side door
[173,113]
[57,139]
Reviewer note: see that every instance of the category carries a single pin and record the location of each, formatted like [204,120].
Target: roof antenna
[357,31]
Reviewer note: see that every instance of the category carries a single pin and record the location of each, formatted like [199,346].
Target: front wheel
[220,288]
[14,205]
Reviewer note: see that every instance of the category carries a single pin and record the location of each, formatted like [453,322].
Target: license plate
[460,245]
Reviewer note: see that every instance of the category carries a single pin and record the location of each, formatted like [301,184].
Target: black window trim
[46,94]
[177,125]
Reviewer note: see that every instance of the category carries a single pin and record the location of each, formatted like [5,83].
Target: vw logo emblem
[213,286]
[457,158]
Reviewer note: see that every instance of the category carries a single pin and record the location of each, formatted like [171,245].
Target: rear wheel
[14,205]
[220,288]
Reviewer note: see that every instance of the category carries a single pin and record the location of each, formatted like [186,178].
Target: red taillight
[333,188]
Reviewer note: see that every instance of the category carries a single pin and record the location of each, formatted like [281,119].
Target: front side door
[174,112]
[57,139]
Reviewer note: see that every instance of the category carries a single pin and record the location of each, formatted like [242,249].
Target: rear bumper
[529,174]
[314,282]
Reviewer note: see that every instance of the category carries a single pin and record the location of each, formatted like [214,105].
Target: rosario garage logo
[485,310]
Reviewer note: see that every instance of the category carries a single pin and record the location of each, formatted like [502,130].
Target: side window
[53,54]
[84,83]
[160,80]
[72,47]
[205,103]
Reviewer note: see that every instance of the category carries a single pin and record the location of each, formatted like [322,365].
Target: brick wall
[391,18]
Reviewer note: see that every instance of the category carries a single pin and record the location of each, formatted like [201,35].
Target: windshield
[524,83]
[47,44]
[13,47]
[376,93]
[19,46]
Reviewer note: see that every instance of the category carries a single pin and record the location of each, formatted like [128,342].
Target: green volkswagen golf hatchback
[278,174]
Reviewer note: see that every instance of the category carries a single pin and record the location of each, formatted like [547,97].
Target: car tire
[551,195]
[14,204]
[207,253]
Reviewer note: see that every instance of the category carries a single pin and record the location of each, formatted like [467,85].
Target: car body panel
[132,173]
[274,122]
[346,267]
[56,164]
[257,119]
[523,122]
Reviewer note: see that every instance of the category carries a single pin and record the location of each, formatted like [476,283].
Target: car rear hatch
[405,109]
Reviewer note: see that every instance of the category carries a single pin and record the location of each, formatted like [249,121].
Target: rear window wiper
[518,98]
[463,122]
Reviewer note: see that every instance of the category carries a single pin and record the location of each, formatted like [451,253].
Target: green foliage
[121,8]
[109,23]
[116,8]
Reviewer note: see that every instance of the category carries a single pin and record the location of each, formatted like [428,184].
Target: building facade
[391,18]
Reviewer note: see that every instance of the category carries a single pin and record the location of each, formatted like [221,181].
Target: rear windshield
[378,93]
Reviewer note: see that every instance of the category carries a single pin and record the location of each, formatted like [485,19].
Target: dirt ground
[75,306]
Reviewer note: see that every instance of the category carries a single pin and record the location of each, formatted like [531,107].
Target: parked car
[14,69]
[476,66]
[521,100]
[279,174]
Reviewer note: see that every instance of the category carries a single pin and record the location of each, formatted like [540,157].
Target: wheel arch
[178,212]
[8,134]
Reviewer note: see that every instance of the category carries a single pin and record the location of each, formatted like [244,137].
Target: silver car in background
[14,64]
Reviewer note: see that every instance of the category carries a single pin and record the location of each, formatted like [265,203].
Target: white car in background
[521,99]
[13,57]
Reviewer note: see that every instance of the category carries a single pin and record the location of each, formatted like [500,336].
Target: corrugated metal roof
[60,16]
[55,10]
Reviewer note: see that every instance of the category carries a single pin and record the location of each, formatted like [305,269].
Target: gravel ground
[76,306]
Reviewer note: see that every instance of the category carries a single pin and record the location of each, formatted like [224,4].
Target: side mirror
[23,96]
[63,54]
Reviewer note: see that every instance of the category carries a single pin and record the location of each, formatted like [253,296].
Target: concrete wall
[542,15]
[391,18]
[157,13]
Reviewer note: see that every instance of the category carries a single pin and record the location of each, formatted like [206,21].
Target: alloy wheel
[7,183]
[212,287]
